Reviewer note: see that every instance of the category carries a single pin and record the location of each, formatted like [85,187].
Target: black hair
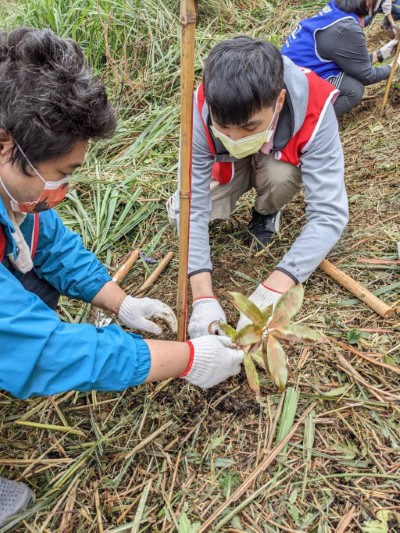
[49,98]
[358,7]
[241,76]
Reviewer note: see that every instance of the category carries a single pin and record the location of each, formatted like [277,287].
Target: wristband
[191,359]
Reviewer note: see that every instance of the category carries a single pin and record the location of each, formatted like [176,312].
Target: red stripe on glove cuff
[191,359]
[269,288]
[205,298]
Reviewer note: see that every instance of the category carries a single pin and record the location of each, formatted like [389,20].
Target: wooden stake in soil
[358,290]
[392,71]
[154,275]
[188,24]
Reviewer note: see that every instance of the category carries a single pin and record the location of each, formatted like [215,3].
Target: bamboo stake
[123,270]
[394,65]
[154,275]
[188,24]
[358,290]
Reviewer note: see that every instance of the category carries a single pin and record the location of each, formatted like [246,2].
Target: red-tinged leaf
[228,330]
[299,333]
[287,307]
[248,335]
[254,347]
[258,358]
[251,374]
[245,306]
[277,362]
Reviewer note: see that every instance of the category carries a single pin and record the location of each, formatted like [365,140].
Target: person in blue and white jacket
[332,44]
[50,106]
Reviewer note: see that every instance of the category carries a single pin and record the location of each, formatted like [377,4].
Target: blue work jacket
[39,353]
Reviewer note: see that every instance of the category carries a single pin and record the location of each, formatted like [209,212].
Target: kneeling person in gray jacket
[262,122]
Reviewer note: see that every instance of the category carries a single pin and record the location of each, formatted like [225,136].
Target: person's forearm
[201,285]
[168,359]
[279,281]
[109,297]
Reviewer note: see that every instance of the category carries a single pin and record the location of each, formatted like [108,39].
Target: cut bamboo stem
[123,270]
[188,24]
[390,78]
[362,293]
[154,275]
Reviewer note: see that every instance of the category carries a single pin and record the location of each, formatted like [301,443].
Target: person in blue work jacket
[51,105]
[332,44]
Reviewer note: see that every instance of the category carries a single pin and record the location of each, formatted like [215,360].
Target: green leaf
[338,391]
[251,374]
[248,335]
[185,526]
[287,307]
[297,334]
[228,330]
[258,358]
[245,306]
[377,526]
[277,362]
[353,336]
[267,313]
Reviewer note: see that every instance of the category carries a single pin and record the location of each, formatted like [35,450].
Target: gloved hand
[212,360]
[389,49]
[387,7]
[136,313]
[205,311]
[262,297]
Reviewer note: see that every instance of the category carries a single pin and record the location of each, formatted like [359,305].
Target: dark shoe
[385,24]
[264,228]
[14,498]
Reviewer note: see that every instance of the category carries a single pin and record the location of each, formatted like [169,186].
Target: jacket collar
[8,229]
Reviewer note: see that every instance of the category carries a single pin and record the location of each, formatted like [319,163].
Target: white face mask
[247,145]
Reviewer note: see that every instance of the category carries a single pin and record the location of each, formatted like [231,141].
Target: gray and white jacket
[322,171]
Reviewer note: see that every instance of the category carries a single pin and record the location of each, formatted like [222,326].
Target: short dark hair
[241,76]
[358,7]
[49,98]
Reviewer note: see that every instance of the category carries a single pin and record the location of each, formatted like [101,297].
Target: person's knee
[358,92]
[170,205]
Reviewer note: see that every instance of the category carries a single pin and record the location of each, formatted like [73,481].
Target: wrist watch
[379,56]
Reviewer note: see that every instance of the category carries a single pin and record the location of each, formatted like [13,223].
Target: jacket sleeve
[40,355]
[326,201]
[200,207]
[65,263]
[348,49]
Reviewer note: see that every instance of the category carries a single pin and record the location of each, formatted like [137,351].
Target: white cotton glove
[136,313]
[387,7]
[389,49]
[206,311]
[262,297]
[213,359]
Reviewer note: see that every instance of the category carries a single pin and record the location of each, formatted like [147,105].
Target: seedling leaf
[251,374]
[267,313]
[298,333]
[287,307]
[277,362]
[228,330]
[245,306]
[258,358]
[248,335]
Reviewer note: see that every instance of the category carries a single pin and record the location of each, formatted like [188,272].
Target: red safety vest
[320,94]
[34,238]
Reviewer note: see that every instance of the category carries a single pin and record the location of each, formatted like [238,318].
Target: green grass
[166,457]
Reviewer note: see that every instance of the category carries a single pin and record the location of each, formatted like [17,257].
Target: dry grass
[165,457]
